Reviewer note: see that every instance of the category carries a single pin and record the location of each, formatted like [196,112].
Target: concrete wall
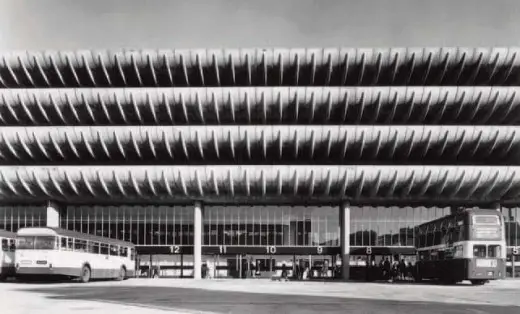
[64,24]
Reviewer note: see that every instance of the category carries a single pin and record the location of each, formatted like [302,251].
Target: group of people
[396,269]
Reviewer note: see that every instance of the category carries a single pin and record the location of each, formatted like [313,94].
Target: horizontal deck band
[260,144]
[261,105]
[261,67]
[154,183]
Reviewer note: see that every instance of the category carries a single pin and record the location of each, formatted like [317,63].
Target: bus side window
[64,243]
[80,245]
[429,239]
[132,254]
[12,245]
[70,244]
[114,250]
[5,245]
[93,247]
[123,251]
[104,249]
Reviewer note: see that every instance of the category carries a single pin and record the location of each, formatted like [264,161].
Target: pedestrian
[284,272]
[387,267]
[402,270]
[210,270]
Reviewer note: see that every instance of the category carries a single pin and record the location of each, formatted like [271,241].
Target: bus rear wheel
[122,274]
[85,274]
[477,282]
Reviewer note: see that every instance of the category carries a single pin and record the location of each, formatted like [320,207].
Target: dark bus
[468,245]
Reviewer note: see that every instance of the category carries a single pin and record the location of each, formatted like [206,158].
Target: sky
[114,24]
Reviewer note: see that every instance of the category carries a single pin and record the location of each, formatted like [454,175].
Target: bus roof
[7,234]
[35,231]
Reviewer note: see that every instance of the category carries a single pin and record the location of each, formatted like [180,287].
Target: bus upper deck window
[5,245]
[123,251]
[479,250]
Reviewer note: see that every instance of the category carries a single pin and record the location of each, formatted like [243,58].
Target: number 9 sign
[319,250]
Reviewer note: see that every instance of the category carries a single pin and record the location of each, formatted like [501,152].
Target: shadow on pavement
[189,299]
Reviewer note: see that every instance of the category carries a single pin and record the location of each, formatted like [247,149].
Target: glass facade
[223,225]
[255,225]
[271,225]
[512,221]
[389,226]
[142,225]
[13,218]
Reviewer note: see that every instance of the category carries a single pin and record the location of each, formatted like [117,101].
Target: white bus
[7,268]
[58,252]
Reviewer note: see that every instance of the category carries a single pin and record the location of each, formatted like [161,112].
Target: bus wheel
[477,282]
[85,274]
[122,274]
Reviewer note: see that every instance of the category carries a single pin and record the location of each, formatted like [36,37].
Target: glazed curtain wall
[13,218]
[389,226]
[271,225]
[252,225]
[245,225]
[223,225]
[144,225]
[512,219]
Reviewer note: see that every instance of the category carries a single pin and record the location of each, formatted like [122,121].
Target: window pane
[479,250]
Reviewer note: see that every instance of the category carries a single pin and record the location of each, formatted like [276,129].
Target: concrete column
[344,220]
[53,215]
[498,208]
[197,240]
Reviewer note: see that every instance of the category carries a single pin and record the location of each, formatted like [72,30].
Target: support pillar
[344,220]
[197,241]
[53,215]
[498,208]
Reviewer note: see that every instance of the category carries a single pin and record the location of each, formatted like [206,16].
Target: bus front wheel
[85,274]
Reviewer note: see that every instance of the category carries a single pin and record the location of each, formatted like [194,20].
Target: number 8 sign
[369,250]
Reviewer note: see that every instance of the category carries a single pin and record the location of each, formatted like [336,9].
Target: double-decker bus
[468,245]
[55,252]
[7,268]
